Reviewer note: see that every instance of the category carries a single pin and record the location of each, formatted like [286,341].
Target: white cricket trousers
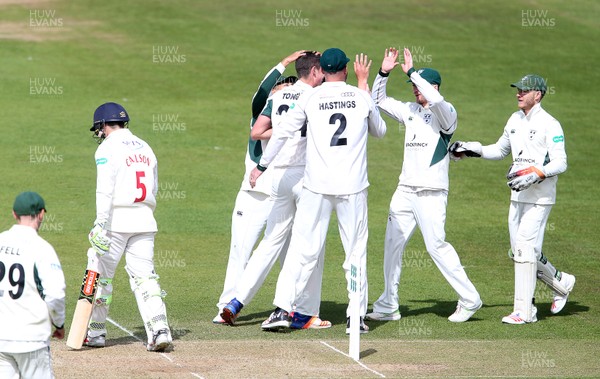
[139,263]
[308,243]
[527,224]
[247,224]
[426,209]
[287,187]
[30,365]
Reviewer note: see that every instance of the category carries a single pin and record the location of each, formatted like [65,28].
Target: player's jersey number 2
[336,140]
[16,278]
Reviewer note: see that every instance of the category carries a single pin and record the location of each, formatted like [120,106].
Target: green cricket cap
[333,60]
[432,76]
[531,82]
[28,203]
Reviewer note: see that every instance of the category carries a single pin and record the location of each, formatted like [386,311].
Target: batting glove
[522,179]
[98,239]
[459,150]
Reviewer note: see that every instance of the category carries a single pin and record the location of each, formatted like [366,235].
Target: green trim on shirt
[38,282]
[441,149]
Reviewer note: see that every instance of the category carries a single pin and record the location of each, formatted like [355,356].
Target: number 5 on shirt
[138,177]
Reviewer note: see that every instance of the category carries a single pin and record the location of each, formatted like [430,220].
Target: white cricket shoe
[98,341]
[516,318]
[378,316]
[560,301]
[462,314]
[160,341]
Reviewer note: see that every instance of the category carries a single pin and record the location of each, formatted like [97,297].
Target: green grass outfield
[186,70]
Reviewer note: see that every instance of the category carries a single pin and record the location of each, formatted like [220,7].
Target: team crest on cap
[122,114]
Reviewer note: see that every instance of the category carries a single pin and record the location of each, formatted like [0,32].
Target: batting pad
[149,298]
[548,274]
[525,277]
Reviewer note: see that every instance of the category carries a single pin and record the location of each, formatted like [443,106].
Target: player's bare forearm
[262,129]
[362,65]
[292,57]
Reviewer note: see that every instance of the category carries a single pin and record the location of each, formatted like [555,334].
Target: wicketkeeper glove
[459,149]
[522,179]
[98,239]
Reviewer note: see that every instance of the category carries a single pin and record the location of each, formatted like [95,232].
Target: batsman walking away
[126,188]
[537,144]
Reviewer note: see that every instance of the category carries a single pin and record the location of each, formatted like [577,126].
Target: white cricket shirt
[293,152]
[338,119]
[127,183]
[535,139]
[32,290]
[428,132]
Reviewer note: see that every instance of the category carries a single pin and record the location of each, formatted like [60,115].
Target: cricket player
[288,170]
[422,193]
[338,118]
[252,205]
[32,294]
[126,187]
[537,144]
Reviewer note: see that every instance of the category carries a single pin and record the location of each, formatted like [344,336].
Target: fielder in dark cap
[32,306]
[28,203]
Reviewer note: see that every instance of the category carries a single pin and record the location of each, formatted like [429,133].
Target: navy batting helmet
[109,112]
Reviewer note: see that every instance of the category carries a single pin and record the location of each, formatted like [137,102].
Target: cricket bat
[83,309]
[355,284]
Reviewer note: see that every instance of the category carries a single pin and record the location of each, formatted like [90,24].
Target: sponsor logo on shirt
[558,139]
[524,160]
[427,118]
[100,161]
